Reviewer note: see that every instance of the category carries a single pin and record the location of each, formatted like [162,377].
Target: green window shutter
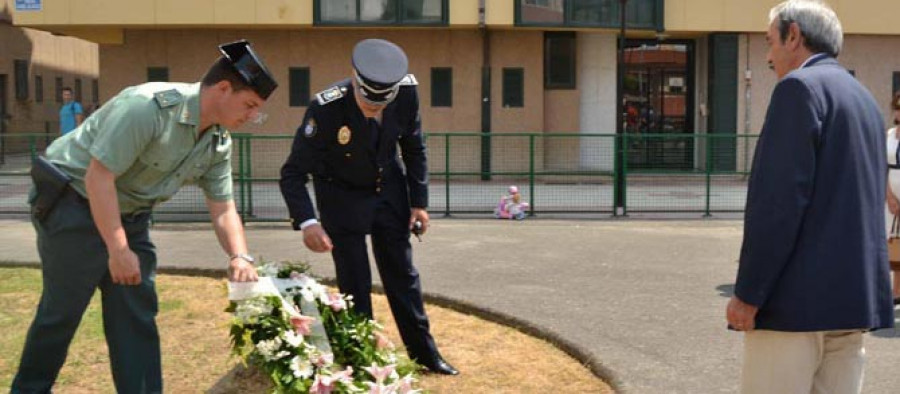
[559,60]
[723,94]
[157,74]
[299,86]
[95,91]
[441,87]
[895,83]
[513,87]
[77,90]
[58,89]
[38,89]
[21,72]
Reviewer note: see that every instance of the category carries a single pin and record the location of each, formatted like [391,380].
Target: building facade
[35,65]
[692,67]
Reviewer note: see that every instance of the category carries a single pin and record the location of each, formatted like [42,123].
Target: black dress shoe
[440,366]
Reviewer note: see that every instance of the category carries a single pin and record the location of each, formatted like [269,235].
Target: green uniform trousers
[74,262]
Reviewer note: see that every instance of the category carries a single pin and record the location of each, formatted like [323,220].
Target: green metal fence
[556,173]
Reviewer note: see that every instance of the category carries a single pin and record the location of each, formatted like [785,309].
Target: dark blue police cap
[250,67]
[380,66]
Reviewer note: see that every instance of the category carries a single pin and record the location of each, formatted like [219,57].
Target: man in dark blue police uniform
[348,144]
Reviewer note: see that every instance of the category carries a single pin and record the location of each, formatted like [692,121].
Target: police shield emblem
[310,129]
[344,135]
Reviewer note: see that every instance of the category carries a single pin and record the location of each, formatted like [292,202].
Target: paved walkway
[644,299]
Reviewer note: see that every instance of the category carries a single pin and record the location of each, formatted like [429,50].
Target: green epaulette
[331,94]
[168,98]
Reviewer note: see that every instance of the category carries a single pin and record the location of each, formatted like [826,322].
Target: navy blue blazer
[814,256]
[353,165]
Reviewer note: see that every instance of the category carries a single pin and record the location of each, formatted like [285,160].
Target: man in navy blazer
[813,272]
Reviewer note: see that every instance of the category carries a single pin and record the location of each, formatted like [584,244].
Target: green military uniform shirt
[149,137]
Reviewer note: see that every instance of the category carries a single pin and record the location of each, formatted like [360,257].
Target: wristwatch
[246,257]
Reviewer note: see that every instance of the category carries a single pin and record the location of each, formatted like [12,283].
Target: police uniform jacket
[351,170]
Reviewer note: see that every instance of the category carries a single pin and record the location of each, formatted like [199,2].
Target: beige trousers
[822,362]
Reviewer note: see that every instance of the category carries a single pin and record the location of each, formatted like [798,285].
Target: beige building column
[596,58]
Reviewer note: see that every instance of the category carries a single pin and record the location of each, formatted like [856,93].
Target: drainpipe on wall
[747,77]
[485,93]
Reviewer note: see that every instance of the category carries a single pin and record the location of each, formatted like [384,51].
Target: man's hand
[316,239]
[124,267]
[240,270]
[420,215]
[741,315]
[893,205]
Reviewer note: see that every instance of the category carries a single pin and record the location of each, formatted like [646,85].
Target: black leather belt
[71,195]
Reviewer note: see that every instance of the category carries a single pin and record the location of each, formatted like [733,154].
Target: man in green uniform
[135,152]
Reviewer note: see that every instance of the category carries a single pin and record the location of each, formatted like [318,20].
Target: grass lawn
[195,349]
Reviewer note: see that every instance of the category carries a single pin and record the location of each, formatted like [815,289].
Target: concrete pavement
[641,301]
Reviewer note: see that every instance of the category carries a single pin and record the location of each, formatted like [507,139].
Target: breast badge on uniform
[310,129]
[344,135]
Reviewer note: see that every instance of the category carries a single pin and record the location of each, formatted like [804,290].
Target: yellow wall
[500,12]
[463,13]
[60,13]
[169,12]
[857,16]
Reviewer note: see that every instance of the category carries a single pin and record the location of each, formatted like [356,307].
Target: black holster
[50,183]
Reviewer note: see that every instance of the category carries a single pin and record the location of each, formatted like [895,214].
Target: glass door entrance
[658,95]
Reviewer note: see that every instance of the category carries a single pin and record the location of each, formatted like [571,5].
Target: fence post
[531,173]
[709,165]
[240,141]
[624,157]
[249,174]
[32,146]
[447,175]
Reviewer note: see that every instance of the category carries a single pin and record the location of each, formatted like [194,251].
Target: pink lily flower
[378,388]
[336,302]
[302,324]
[323,359]
[382,341]
[380,373]
[322,385]
[345,376]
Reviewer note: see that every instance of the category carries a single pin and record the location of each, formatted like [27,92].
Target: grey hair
[818,24]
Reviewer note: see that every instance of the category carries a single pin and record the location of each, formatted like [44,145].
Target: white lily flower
[269,349]
[292,338]
[301,368]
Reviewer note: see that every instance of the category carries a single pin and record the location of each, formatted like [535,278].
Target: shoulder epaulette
[409,80]
[331,94]
[168,98]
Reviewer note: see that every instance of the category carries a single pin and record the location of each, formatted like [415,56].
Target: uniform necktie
[375,131]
